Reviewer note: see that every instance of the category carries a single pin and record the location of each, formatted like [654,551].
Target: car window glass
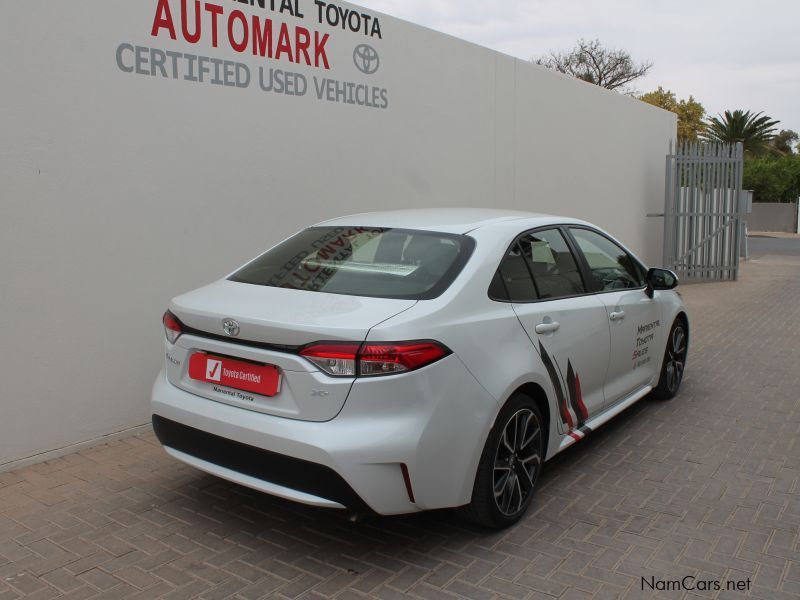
[365,249]
[517,277]
[610,266]
[497,289]
[362,261]
[555,272]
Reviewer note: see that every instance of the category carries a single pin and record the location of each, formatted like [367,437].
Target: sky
[727,54]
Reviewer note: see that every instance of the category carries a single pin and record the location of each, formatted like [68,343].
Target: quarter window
[516,277]
[610,267]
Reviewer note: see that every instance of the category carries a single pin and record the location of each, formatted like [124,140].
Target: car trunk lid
[273,324]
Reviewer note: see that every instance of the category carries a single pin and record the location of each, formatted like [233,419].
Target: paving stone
[705,485]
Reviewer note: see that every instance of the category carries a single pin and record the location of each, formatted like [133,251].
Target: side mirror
[660,279]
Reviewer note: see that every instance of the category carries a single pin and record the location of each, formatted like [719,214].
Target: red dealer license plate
[239,375]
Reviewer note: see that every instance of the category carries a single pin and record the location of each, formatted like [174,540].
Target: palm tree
[755,131]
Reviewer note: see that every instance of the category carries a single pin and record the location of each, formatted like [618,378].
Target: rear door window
[555,271]
[539,266]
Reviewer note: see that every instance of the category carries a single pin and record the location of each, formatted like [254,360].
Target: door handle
[617,316]
[547,327]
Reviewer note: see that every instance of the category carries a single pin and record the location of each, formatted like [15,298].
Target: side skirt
[576,435]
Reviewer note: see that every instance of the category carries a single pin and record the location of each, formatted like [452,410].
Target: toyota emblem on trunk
[231,327]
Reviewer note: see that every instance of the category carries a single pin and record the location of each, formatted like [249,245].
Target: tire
[674,363]
[509,460]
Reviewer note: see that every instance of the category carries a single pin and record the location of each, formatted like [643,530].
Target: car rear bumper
[433,422]
[266,471]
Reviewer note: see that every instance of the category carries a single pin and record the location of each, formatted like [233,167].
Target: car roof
[445,220]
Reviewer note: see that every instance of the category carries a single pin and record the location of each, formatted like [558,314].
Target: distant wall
[773,216]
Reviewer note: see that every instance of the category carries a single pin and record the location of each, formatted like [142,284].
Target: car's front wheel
[509,467]
[674,362]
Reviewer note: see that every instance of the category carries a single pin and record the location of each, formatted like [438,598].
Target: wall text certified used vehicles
[414,360]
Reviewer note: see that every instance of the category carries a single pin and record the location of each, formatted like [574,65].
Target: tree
[690,112]
[773,179]
[755,131]
[783,143]
[594,63]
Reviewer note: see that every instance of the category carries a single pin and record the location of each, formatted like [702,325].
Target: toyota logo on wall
[366,59]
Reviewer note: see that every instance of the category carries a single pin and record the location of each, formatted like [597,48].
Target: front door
[566,326]
[634,319]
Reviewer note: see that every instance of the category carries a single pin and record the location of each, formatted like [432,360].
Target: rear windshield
[360,261]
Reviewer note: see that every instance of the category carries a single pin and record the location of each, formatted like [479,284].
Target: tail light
[388,359]
[372,360]
[172,327]
[337,360]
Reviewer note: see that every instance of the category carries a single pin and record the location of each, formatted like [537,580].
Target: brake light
[337,360]
[371,360]
[172,327]
[388,359]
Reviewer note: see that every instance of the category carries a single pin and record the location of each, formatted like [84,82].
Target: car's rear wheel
[509,467]
[674,362]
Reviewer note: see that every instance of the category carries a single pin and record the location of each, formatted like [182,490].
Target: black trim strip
[293,473]
[239,342]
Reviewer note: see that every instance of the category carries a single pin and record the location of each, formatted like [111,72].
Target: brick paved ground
[707,485]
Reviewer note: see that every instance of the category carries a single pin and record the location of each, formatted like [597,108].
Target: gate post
[798,214]
[739,170]
[669,225]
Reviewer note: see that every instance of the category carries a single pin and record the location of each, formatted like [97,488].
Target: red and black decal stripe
[576,396]
[580,433]
[566,417]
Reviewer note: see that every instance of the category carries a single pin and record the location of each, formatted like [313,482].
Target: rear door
[634,319]
[567,326]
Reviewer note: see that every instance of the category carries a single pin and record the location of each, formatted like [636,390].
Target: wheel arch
[684,318]
[536,392]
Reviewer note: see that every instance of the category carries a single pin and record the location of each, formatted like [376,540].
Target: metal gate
[703,210]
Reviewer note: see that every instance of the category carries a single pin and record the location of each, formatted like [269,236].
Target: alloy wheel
[517,462]
[676,359]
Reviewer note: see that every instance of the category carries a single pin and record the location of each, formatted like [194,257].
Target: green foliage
[782,144]
[690,112]
[753,130]
[773,179]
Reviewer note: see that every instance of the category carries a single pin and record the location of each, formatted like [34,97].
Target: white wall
[118,190]
[773,216]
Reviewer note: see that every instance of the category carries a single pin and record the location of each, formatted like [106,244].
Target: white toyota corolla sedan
[412,360]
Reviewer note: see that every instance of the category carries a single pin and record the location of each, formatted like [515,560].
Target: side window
[611,267]
[516,277]
[555,272]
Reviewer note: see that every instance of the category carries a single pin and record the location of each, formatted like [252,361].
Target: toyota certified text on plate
[413,360]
